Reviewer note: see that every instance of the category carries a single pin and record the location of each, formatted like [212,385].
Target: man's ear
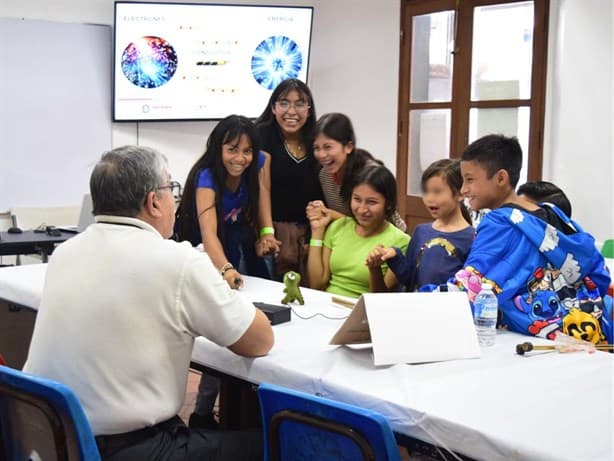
[152,205]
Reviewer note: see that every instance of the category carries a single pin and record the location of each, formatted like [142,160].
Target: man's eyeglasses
[299,106]
[174,187]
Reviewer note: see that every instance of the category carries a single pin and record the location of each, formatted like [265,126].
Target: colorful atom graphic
[149,62]
[275,59]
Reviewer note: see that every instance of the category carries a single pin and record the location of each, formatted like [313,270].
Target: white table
[541,406]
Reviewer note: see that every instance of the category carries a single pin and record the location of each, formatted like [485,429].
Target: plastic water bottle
[485,309]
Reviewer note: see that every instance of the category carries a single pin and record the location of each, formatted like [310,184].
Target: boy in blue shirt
[546,271]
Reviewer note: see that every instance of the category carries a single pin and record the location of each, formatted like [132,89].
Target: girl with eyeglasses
[286,132]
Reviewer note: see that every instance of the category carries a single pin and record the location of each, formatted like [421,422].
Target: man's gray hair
[123,177]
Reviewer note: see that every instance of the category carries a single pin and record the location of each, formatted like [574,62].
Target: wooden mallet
[589,347]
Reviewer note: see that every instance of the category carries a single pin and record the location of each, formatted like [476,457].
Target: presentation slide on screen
[184,61]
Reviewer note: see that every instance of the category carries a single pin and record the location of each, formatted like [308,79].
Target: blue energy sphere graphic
[275,59]
[149,62]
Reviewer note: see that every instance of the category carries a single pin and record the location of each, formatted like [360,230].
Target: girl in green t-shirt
[337,253]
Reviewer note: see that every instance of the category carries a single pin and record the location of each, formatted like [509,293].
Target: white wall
[354,45]
[578,149]
[48,150]
[354,69]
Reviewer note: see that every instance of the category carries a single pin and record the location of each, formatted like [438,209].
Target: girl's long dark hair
[227,130]
[356,162]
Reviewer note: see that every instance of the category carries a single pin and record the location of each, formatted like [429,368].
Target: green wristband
[315,243]
[267,231]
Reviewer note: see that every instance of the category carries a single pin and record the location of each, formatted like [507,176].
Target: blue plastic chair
[301,426]
[607,250]
[42,419]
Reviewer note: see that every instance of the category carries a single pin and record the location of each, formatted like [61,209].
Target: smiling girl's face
[368,207]
[237,155]
[331,153]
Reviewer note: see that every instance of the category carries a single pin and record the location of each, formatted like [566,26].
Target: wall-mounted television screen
[184,61]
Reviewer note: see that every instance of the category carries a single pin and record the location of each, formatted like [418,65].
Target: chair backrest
[5,220]
[607,250]
[85,214]
[28,218]
[297,425]
[41,419]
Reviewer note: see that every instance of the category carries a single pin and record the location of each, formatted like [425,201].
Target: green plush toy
[293,292]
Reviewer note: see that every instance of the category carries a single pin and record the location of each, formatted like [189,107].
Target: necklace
[298,155]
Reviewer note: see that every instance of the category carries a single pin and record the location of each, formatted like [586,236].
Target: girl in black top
[286,133]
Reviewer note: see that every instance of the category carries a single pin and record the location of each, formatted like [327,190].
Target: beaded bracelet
[267,231]
[315,243]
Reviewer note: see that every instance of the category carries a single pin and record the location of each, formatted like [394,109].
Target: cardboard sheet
[412,327]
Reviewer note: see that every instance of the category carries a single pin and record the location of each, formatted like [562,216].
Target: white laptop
[85,217]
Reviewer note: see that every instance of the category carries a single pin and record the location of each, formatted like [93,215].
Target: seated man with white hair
[120,309]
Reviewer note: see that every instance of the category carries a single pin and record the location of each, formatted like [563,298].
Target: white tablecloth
[23,284]
[541,406]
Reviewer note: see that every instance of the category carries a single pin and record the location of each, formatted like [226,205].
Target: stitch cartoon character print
[545,280]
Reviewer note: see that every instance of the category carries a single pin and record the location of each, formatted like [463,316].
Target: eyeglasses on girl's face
[285,105]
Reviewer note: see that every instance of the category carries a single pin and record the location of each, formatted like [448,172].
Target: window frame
[461,103]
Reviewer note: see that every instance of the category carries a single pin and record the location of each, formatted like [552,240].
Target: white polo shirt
[119,312]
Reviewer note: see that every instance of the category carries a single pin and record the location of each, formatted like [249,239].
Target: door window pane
[431,63]
[507,121]
[502,52]
[429,140]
